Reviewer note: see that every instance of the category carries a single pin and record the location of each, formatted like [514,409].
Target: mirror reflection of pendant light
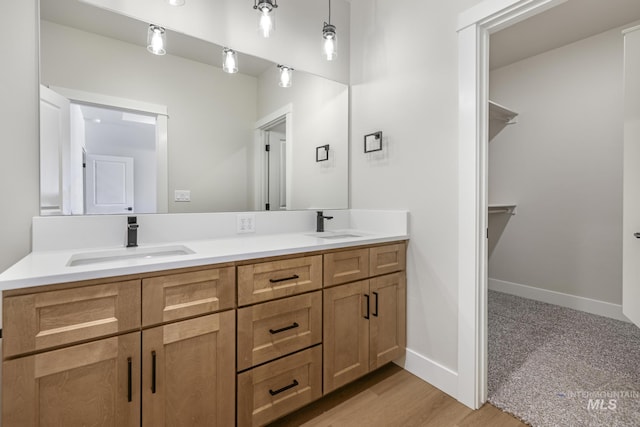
[229,60]
[176,2]
[156,40]
[286,76]
[330,39]
[266,20]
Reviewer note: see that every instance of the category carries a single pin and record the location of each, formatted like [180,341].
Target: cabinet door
[188,376]
[346,334]
[96,383]
[388,319]
[182,295]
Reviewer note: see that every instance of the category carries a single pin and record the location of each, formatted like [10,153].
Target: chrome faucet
[320,221]
[132,231]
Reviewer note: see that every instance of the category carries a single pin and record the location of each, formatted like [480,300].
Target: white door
[54,144]
[109,184]
[276,158]
[631,195]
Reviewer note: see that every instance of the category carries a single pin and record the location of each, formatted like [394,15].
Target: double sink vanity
[234,330]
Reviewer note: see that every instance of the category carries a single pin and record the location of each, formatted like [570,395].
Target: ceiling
[73,13]
[559,26]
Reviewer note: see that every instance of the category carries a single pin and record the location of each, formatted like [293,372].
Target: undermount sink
[87,258]
[335,235]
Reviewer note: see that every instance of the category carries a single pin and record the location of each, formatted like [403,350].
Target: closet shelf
[502,209]
[502,113]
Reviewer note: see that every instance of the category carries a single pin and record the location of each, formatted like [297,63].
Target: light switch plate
[182,195]
[246,223]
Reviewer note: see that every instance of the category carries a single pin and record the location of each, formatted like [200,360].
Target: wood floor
[391,397]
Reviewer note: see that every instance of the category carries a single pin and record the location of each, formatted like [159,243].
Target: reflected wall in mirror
[190,130]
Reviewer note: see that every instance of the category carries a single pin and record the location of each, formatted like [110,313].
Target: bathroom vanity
[227,339]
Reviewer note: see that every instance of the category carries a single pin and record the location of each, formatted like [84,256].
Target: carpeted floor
[553,366]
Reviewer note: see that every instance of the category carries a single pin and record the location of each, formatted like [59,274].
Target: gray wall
[562,164]
[19,143]
[405,83]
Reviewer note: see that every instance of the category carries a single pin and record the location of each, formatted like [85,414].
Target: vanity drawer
[269,280]
[273,329]
[182,295]
[50,319]
[387,259]
[346,266]
[280,387]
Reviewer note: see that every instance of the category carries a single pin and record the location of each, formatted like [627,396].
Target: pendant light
[229,60]
[266,20]
[286,76]
[156,40]
[330,39]
[176,2]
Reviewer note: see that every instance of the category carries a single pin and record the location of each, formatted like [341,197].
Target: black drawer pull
[153,372]
[376,304]
[129,385]
[284,279]
[285,388]
[286,328]
[366,316]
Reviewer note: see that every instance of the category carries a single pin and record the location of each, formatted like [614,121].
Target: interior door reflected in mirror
[125,131]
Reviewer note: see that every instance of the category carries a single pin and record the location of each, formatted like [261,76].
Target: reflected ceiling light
[286,76]
[266,20]
[229,60]
[156,40]
[330,39]
[176,2]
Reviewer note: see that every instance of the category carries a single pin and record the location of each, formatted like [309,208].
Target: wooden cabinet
[96,383]
[365,321]
[90,355]
[188,376]
[169,348]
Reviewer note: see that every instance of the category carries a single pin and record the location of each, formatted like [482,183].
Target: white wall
[562,164]
[19,143]
[320,110]
[208,135]
[404,83]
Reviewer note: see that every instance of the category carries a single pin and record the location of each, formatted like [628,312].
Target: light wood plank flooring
[392,397]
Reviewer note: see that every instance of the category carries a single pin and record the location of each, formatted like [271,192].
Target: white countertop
[50,267]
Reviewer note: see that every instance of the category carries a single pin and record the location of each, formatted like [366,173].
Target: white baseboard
[588,305]
[432,372]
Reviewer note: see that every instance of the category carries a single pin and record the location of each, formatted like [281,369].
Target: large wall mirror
[126,131]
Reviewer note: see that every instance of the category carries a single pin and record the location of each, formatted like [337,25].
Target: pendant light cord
[329,12]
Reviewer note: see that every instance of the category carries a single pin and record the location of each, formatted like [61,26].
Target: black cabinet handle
[153,372]
[295,276]
[286,328]
[636,235]
[285,388]
[376,304]
[129,384]
[366,316]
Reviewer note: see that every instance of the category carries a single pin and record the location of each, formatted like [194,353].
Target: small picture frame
[373,142]
[322,153]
